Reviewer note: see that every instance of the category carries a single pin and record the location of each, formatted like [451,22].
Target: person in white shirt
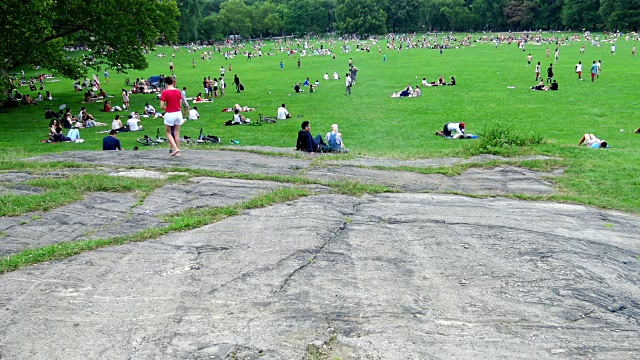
[424,82]
[193,114]
[335,76]
[283,113]
[579,70]
[326,76]
[348,84]
[149,110]
[450,128]
[133,123]
[185,103]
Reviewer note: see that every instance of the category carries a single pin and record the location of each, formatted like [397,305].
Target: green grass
[376,125]
[186,220]
[59,192]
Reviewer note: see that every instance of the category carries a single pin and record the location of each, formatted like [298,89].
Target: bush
[496,139]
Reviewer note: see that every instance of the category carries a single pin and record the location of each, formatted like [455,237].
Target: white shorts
[173,118]
[206,90]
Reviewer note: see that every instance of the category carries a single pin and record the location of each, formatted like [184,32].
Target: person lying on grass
[540,86]
[239,108]
[591,141]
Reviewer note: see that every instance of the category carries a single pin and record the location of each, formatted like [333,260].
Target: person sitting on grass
[107,106]
[116,125]
[27,100]
[296,88]
[87,119]
[334,139]
[306,141]
[417,92]
[133,123]
[237,118]
[111,142]
[283,113]
[591,141]
[554,85]
[637,131]
[59,136]
[453,81]
[406,92]
[149,110]
[53,126]
[193,113]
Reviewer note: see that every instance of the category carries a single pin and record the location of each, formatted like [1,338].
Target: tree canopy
[259,18]
[118,33]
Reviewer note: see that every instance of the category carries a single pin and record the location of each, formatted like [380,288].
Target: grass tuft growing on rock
[67,190]
[186,220]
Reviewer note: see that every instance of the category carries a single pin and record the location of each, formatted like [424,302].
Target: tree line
[218,19]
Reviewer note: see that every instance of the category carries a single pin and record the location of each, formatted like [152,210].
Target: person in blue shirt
[334,139]
[111,142]
[594,71]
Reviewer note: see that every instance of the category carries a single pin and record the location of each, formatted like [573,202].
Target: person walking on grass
[170,101]
[185,108]
[537,72]
[579,70]
[236,81]
[594,71]
[348,84]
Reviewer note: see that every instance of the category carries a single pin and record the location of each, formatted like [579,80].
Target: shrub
[496,139]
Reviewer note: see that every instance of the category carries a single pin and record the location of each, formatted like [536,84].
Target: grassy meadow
[493,87]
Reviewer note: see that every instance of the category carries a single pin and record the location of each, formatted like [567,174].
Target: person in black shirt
[306,141]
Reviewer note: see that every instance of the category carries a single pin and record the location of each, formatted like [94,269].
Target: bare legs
[174,138]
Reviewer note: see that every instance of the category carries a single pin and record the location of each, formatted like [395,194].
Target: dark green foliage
[117,31]
[502,140]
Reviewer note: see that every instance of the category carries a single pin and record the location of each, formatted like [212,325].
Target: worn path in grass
[386,276]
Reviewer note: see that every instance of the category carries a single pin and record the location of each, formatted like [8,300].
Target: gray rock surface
[205,192]
[435,162]
[500,180]
[393,276]
[99,215]
[231,161]
[20,189]
[476,181]
[15,177]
